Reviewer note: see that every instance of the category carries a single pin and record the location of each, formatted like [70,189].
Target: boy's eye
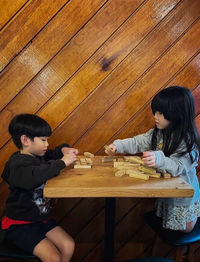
[43,139]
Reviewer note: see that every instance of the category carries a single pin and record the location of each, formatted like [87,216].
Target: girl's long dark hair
[177,105]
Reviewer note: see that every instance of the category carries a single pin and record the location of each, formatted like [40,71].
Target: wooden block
[106,159]
[117,164]
[128,168]
[82,166]
[77,162]
[108,151]
[166,175]
[125,164]
[120,173]
[88,154]
[88,160]
[147,170]
[136,159]
[111,157]
[120,159]
[83,161]
[137,174]
[156,175]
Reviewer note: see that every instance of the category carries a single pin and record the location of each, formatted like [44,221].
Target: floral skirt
[176,217]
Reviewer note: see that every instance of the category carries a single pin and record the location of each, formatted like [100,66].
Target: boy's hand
[68,150]
[69,158]
[149,158]
[111,149]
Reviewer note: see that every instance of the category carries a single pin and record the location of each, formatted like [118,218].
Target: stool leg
[155,246]
[178,254]
[190,255]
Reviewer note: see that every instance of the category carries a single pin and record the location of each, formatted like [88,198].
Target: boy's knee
[56,257]
[69,247]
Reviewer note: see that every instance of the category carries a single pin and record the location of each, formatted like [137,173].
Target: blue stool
[152,259]
[9,250]
[175,238]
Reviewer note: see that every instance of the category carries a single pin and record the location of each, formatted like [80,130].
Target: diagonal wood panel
[53,76]
[28,63]
[10,9]
[137,63]
[99,66]
[33,16]
[143,90]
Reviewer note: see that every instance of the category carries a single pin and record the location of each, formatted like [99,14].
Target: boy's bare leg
[63,242]
[47,251]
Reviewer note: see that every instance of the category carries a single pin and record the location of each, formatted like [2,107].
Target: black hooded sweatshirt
[26,176]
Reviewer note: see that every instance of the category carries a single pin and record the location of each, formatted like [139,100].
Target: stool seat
[151,259]
[9,250]
[172,237]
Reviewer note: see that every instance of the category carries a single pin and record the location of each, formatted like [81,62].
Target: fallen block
[82,166]
[166,175]
[120,173]
[136,159]
[83,161]
[88,154]
[150,171]
[107,159]
[88,160]
[137,174]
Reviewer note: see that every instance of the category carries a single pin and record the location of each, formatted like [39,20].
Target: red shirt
[7,222]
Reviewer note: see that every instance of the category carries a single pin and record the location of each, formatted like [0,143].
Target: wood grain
[9,9]
[139,93]
[29,62]
[54,75]
[124,75]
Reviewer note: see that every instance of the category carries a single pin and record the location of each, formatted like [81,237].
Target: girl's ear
[25,140]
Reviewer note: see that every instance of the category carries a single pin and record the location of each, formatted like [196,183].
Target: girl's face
[160,120]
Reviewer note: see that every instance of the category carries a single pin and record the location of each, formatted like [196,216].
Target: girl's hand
[67,150]
[149,158]
[69,158]
[111,149]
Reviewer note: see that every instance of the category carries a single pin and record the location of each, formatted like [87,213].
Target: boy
[27,220]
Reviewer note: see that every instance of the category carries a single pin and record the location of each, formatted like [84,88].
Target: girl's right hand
[111,149]
[69,158]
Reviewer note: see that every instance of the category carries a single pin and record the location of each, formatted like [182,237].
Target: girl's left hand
[68,150]
[149,158]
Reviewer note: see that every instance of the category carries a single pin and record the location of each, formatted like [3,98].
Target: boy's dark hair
[29,125]
[177,105]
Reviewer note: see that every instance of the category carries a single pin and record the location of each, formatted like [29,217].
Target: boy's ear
[25,140]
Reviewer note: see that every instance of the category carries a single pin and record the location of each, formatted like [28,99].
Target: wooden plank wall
[91,68]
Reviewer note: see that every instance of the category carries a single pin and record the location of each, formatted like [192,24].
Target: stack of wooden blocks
[84,162]
[134,167]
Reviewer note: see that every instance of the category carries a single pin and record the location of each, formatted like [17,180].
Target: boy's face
[38,146]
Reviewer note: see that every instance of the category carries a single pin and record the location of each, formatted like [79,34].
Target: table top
[100,181]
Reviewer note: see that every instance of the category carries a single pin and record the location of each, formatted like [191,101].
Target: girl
[171,146]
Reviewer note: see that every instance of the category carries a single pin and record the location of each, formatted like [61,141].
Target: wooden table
[100,181]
